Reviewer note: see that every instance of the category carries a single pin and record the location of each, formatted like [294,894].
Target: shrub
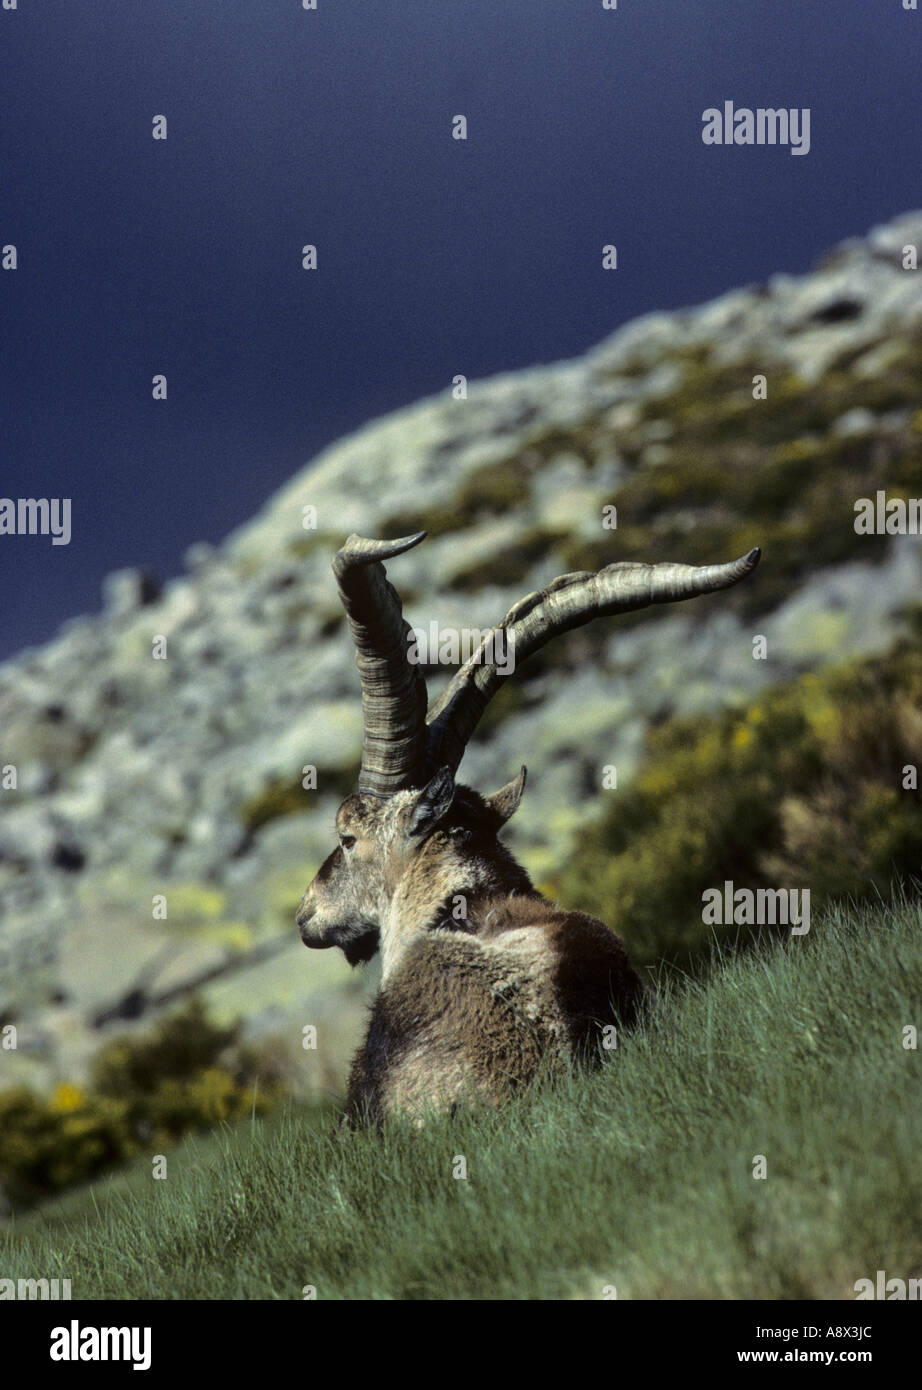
[802,788]
[145,1093]
[50,1143]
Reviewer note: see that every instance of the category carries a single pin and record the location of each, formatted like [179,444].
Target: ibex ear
[433,802]
[505,802]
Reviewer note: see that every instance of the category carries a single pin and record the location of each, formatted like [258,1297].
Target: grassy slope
[638,1177]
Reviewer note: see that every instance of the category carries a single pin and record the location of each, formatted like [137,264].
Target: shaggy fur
[472,1003]
[471,1014]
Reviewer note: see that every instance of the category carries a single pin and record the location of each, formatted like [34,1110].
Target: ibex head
[410,838]
[415,850]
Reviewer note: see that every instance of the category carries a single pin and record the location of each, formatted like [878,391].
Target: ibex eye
[347,841]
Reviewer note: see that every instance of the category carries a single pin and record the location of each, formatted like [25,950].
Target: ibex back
[483,980]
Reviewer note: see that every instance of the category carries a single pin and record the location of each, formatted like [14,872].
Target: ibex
[483,980]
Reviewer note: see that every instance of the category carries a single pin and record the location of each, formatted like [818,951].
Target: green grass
[640,1176]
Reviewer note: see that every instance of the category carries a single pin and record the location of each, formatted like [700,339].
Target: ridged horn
[566,603]
[393,690]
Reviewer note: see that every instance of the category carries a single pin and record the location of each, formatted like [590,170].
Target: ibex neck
[437,889]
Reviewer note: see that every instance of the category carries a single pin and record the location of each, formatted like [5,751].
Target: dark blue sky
[285,127]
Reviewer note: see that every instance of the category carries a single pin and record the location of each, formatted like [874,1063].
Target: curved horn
[393,690]
[567,602]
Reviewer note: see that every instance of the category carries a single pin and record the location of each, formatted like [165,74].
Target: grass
[638,1177]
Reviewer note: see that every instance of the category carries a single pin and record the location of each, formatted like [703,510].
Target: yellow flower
[67,1097]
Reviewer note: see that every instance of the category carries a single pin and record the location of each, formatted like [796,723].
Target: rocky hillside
[138,776]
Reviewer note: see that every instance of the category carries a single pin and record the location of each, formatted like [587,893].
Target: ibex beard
[473,1002]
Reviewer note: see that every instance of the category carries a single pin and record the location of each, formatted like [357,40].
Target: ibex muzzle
[482,977]
[343,905]
[330,916]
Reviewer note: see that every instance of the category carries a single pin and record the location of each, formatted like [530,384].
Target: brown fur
[472,1014]
[483,980]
